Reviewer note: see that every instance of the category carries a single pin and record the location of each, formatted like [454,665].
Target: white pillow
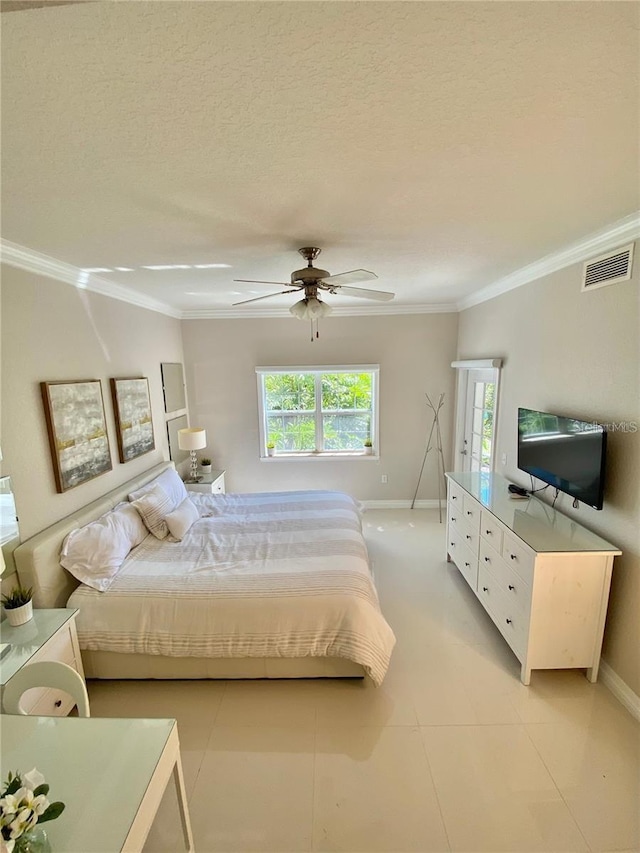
[93,554]
[180,520]
[170,482]
[153,506]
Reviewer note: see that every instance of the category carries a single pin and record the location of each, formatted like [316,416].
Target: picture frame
[77,431]
[134,422]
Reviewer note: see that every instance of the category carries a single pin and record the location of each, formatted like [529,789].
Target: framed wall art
[77,430]
[132,408]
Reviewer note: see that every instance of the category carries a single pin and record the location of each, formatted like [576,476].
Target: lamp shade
[193,438]
[310,309]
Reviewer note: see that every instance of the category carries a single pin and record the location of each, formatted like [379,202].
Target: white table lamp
[192,439]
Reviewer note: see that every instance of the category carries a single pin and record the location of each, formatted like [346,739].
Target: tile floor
[451,753]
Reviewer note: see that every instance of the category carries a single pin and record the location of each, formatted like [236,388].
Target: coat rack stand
[435,428]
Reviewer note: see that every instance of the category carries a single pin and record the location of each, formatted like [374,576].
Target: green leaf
[54,811]
[41,789]
[13,785]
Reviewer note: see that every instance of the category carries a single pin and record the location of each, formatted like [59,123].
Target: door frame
[464,371]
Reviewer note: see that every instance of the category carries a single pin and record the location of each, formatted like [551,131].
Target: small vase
[19,615]
[33,841]
[368,451]
[271,451]
[206,469]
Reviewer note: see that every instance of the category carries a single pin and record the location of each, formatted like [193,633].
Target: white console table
[542,577]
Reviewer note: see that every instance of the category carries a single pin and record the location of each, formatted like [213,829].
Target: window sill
[288,457]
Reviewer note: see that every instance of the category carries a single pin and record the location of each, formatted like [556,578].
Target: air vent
[611,268]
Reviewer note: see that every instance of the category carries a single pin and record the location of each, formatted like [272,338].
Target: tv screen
[566,453]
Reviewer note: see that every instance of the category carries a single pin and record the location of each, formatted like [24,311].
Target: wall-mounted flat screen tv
[566,453]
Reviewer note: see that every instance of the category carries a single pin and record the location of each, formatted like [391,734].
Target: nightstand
[50,635]
[210,484]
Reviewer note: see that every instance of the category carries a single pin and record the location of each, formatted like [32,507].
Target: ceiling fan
[311,280]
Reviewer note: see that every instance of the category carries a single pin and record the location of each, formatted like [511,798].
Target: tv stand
[542,577]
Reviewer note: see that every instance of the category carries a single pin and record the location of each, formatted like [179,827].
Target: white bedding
[281,574]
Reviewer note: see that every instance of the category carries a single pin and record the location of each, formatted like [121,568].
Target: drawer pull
[469,512]
[58,703]
[453,518]
[511,587]
[468,537]
[454,497]
[453,544]
[489,532]
[468,565]
[509,622]
[485,589]
[487,560]
[513,556]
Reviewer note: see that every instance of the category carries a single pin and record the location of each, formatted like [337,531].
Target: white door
[476,421]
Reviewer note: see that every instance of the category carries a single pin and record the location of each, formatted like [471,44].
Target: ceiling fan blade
[252,281]
[351,277]
[380,295]
[258,298]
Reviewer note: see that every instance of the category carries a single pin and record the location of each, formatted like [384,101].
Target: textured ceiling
[442,145]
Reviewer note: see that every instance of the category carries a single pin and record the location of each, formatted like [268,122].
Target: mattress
[272,575]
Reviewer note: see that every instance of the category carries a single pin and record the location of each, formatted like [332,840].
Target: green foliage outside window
[346,414]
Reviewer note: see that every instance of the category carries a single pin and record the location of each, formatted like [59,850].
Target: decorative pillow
[170,481]
[180,520]
[153,506]
[94,553]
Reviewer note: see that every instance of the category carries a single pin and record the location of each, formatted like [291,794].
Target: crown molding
[339,311]
[29,260]
[623,231]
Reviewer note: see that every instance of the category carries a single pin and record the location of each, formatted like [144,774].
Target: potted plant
[24,806]
[271,448]
[368,447]
[18,605]
[205,465]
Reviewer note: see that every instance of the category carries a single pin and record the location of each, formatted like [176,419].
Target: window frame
[318,370]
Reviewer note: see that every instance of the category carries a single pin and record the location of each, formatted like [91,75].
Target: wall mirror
[9,530]
[175,453]
[173,387]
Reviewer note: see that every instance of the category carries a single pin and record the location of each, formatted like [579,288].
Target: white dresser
[49,635]
[542,577]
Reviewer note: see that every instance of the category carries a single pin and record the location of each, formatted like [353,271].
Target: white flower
[9,805]
[7,846]
[23,822]
[32,779]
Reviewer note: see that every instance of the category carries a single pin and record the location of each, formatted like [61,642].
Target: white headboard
[38,559]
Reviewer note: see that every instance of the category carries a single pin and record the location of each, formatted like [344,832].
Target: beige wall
[577,354]
[53,331]
[414,354]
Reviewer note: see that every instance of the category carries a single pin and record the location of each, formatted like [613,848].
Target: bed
[273,585]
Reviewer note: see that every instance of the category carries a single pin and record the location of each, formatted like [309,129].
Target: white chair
[47,673]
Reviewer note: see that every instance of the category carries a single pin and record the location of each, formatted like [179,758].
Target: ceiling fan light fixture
[310,309]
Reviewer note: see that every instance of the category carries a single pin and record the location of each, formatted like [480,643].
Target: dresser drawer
[465,560]
[455,494]
[471,513]
[59,647]
[491,530]
[454,514]
[515,554]
[470,537]
[512,623]
[511,584]
[53,703]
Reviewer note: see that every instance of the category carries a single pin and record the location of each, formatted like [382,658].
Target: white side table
[50,635]
[210,484]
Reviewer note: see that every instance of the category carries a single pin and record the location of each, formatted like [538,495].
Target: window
[318,411]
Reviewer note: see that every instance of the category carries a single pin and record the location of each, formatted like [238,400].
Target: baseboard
[406,504]
[620,689]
